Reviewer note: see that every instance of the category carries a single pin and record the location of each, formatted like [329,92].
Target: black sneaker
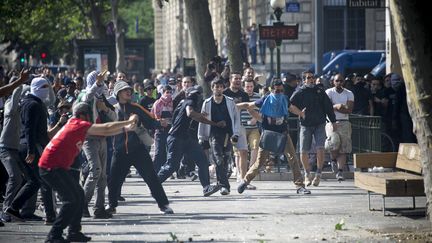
[110,210]
[14,214]
[5,217]
[49,220]
[86,213]
[121,199]
[210,189]
[303,190]
[56,240]
[32,217]
[1,224]
[242,187]
[166,210]
[101,214]
[77,237]
[193,176]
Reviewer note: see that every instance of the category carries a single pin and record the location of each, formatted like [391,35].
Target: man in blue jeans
[180,142]
[312,105]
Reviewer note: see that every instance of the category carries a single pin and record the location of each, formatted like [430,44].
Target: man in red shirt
[55,162]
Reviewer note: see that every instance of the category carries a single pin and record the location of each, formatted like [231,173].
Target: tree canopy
[36,26]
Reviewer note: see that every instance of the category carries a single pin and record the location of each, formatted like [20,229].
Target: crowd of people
[78,135]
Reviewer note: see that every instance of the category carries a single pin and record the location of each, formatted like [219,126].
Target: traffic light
[43,55]
[22,60]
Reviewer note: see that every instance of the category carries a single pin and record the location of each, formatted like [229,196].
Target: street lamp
[278,6]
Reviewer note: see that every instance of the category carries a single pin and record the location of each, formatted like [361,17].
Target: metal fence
[366,138]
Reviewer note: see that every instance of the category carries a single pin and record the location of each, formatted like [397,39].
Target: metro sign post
[278,32]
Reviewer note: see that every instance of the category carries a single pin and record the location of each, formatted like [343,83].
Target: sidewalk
[272,213]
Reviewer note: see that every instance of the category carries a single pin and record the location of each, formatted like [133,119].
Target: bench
[405,179]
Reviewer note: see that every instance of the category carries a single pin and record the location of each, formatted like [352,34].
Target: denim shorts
[306,133]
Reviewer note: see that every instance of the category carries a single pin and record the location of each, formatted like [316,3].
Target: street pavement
[272,213]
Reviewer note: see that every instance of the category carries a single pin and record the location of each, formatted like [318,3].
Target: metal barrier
[366,133]
[365,137]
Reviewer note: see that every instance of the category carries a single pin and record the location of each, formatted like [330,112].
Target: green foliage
[129,10]
[35,26]
[339,225]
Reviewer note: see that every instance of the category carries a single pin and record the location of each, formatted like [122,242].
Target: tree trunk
[233,29]
[119,37]
[410,20]
[201,32]
[95,15]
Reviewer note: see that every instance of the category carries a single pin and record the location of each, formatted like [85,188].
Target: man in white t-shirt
[343,103]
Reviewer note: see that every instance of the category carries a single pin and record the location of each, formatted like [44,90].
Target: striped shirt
[244,114]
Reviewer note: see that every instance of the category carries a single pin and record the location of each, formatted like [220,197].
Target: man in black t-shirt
[180,142]
[220,108]
[241,148]
[276,123]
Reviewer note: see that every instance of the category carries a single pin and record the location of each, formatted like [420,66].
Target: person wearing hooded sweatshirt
[34,138]
[130,151]
[273,116]
[162,109]
[95,147]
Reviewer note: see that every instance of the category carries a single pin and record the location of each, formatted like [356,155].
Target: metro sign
[278,31]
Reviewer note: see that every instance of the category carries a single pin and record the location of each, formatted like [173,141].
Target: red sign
[278,32]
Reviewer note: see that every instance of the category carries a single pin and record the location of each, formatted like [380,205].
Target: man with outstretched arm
[55,162]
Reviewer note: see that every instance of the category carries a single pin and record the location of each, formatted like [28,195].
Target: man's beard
[218,95]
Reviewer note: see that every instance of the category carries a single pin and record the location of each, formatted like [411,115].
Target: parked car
[348,62]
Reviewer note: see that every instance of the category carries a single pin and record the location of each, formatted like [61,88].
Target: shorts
[319,134]
[242,142]
[253,137]
[344,130]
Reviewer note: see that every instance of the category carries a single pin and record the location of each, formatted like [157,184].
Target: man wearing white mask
[34,138]
[95,147]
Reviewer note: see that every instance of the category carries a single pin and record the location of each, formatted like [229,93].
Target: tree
[233,28]
[410,20]
[201,32]
[119,37]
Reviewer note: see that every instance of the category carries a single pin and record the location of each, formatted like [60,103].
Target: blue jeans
[306,133]
[179,147]
[160,142]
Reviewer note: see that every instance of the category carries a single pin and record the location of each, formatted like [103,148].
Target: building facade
[343,27]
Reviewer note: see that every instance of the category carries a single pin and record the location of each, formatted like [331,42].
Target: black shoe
[166,210]
[121,199]
[14,214]
[49,220]
[56,240]
[86,213]
[101,214]
[77,237]
[242,187]
[193,176]
[302,190]
[5,217]
[210,189]
[110,210]
[32,217]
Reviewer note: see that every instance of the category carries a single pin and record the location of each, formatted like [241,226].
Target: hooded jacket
[204,129]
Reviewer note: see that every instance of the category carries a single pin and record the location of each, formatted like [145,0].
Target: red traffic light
[43,55]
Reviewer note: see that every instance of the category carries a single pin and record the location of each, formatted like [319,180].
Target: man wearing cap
[55,163]
[147,100]
[343,103]
[180,143]
[130,151]
[95,147]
